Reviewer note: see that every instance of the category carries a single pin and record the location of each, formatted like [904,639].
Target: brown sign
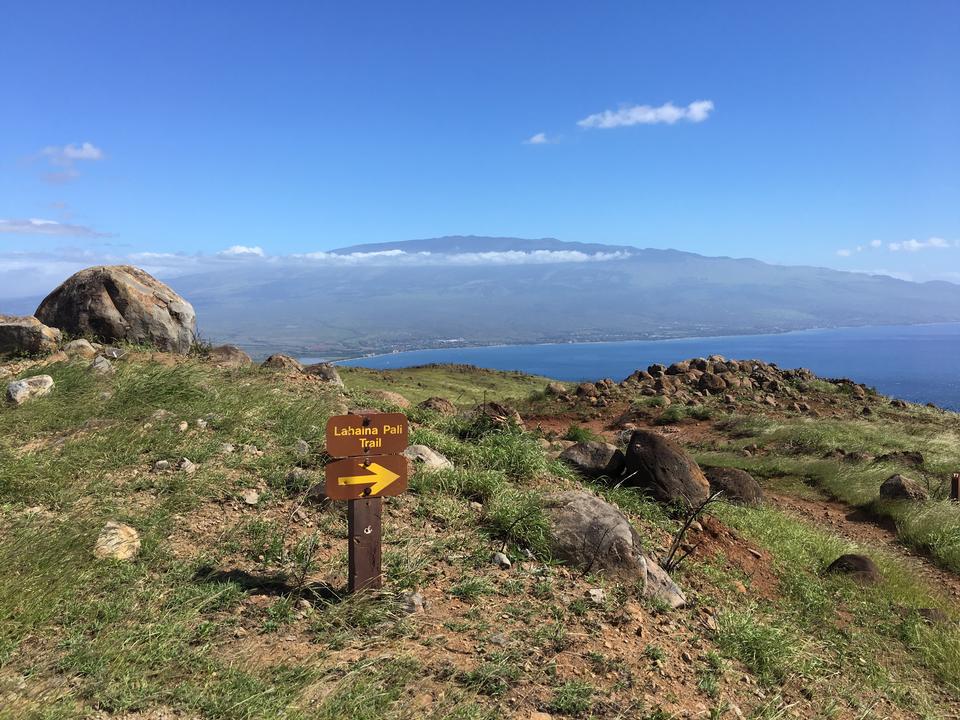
[361,435]
[366,477]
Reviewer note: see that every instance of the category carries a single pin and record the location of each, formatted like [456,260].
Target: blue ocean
[920,363]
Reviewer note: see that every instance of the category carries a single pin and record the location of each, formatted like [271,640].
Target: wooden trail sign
[370,470]
[374,476]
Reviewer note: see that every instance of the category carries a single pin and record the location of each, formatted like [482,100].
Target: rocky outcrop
[664,470]
[327,372]
[738,486]
[121,302]
[900,487]
[595,459]
[229,356]
[25,335]
[20,391]
[593,536]
[279,361]
[439,405]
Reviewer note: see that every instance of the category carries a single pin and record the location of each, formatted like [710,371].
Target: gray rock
[501,561]
[500,639]
[117,541]
[101,366]
[25,335]
[121,302]
[595,459]
[186,466]
[664,469]
[20,391]
[900,487]
[226,448]
[858,567]
[592,535]
[428,458]
[737,486]
[161,466]
[301,447]
[413,602]
[326,372]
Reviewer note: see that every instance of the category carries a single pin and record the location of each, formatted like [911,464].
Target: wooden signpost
[371,468]
[955,486]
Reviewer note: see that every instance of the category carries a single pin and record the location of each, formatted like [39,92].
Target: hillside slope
[234,606]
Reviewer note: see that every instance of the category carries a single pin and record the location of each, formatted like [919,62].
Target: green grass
[463,385]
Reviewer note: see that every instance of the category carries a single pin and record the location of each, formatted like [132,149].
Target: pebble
[302,447]
[226,448]
[501,561]
[161,465]
[117,542]
[201,424]
[414,602]
[500,639]
[186,466]
[250,496]
[183,426]
[597,595]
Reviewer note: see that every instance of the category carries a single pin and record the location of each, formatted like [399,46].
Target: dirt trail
[864,529]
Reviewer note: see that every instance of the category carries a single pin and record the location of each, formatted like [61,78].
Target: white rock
[429,458]
[117,541]
[183,426]
[161,465]
[201,424]
[250,496]
[19,391]
[186,466]
[226,448]
[501,561]
[597,595]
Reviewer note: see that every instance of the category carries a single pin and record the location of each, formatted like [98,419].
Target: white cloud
[243,251]
[508,257]
[538,139]
[917,245]
[66,155]
[668,113]
[843,252]
[876,243]
[37,226]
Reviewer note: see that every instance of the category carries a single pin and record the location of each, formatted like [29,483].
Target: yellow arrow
[381,478]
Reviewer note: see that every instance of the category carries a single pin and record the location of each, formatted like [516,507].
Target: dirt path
[862,528]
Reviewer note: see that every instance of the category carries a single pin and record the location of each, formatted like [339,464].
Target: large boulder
[900,487]
[25,335]
[738,486]
[664,469]
[121,302]
[229,356]
[19,391]
[427,458]
[592,535]
[594,459]
[500,416]
[324,371]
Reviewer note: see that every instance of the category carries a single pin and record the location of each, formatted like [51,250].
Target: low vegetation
[237,609]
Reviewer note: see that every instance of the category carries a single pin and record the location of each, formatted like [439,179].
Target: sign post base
[364,518]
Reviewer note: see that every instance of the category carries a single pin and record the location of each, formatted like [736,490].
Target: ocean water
[920,363]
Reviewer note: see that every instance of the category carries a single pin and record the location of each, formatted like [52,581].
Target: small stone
[186,466]
[302,448]
[250,496]
[305,605]
[597,595]
[161,466]
[117,542]
[101,366]
[226,448]
[201,424]
[474,505]
[500,639]
[501,561]
[183,426]
[756,553]
[80,349]
[413,602]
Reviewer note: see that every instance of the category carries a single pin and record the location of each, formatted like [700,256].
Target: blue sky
[794,133]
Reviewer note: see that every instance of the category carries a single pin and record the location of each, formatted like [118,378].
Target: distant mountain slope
[400,302]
